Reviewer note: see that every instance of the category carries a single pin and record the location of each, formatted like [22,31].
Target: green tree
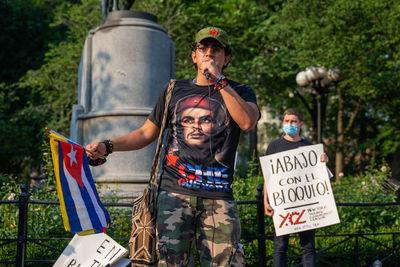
[358,37]
[25,37]
[49,91]
[271,41]
[48,37]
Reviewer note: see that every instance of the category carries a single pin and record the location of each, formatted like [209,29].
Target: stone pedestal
[125,64]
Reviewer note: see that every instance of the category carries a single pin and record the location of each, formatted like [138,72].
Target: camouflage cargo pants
[211,225]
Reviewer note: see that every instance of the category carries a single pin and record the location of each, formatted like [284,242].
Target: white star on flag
[80,204]
[72,156]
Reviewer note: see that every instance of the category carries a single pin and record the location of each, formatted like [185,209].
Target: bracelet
[220,83]
[96,162]
[109,146]
[109,149]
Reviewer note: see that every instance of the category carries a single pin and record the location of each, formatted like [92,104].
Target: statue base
[119,14]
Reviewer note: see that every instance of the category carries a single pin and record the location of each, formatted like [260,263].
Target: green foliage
[42,42]
[25,35]
[44,221]
[241,19]
[24,40]
[55,83]
[271,42]
[358,37]
[44,96]
[370,187]
[245,188]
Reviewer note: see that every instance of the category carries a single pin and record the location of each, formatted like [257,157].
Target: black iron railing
[387,252]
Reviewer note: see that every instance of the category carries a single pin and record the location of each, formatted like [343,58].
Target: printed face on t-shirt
[197,125]
[199,130]
[201,141]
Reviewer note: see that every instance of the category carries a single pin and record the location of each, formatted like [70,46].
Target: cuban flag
[80,204]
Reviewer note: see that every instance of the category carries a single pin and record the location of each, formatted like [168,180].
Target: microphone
[207,74]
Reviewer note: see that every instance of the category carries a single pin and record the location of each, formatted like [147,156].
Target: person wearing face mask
[292,123]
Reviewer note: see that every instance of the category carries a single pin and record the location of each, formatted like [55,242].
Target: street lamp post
[316,81]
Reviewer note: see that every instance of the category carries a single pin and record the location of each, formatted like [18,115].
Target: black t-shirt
[281,144]
[202,140]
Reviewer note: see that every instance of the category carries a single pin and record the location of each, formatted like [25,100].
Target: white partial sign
[299,190]
[97,250]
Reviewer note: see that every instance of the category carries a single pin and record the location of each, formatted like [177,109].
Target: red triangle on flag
[72,157]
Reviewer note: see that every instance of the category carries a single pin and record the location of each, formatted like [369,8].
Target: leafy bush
[245,188]
[370,187]
[44,221]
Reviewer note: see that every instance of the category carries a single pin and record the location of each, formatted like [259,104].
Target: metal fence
[387,252]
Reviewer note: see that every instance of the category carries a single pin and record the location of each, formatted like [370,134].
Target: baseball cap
[213,32]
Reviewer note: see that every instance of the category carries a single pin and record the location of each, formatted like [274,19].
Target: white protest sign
[95,250]
[299,190]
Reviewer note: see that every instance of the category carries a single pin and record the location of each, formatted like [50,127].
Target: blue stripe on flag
[73,218]
[93,216]
[85,164]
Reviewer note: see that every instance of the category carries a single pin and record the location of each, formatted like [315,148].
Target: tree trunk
[253,152]
[340,138]
[341,132]
[253,148]
[314,116]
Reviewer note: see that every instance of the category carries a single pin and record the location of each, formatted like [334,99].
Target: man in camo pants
[214,223]
[196,211]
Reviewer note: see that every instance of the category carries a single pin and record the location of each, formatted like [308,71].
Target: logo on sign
[292,218]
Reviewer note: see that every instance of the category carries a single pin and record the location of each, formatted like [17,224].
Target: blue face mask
[290,129]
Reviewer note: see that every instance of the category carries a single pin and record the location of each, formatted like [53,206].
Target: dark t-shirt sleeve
[246,93]
[158,110]
[271,149]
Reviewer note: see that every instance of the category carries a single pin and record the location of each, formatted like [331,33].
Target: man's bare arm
[245,114]
[136,139]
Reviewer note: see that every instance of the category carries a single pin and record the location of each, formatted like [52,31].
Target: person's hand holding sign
[268,209]
[324,158]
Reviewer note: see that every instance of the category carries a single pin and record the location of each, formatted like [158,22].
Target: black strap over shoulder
[157,155]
